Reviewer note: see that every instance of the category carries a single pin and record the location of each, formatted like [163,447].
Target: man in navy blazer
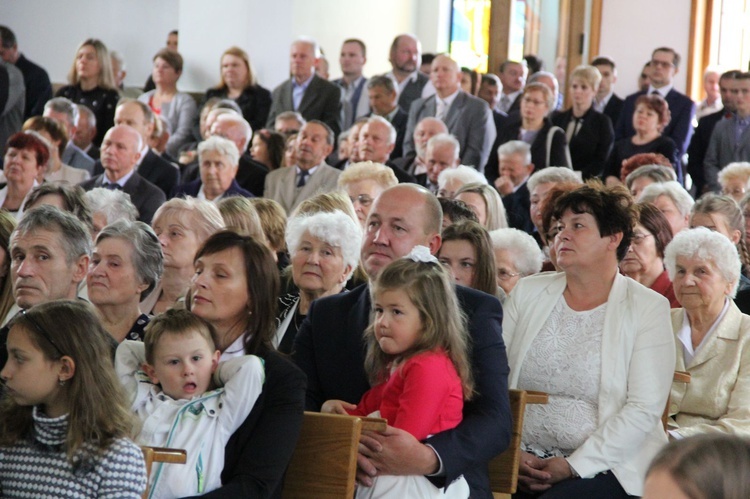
[330,349]
[305,92]
[606,101]
[468,118]
[664,66]
[120,152]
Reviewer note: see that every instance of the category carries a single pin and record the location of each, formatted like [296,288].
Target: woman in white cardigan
[600,344]
[178,108]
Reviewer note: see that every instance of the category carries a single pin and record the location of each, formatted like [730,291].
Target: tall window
[470,31]
[730,34]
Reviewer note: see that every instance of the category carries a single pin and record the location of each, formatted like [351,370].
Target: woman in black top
[93,84]
[238,83]
[590,134]
[650,117]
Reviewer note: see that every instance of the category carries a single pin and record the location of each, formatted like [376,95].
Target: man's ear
[150,372]
[81,269]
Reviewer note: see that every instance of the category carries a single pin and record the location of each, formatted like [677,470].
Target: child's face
[30,378]
[183,365]
[397,322]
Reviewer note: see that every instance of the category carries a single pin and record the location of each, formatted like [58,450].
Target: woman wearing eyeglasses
[363,182]
[644,261]
[516,254]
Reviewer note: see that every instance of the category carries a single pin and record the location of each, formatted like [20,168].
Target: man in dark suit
[664,66]
[513,77]
[606,101]
[515,168]
[150,166]
[219,158]
[442,153]
[86,131]
[702,136]
[305,92]
[330,350]
[468,118]
[405,58]
[120,152]
[65,112]
[383,102]
[36,79]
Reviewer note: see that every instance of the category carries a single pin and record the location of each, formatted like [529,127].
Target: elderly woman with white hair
[486,203]
[735,180]
[452,179]
[712,337]
[126,265]
[218,161]
[363,182]
[673,201]
[108,206]
[516,255]
[182,226]
[645,175]
[324,250]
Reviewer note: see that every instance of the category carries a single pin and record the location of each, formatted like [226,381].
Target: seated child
[64,421]
[178,402]
[417,364]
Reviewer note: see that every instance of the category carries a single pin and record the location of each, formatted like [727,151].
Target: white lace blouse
[564,360]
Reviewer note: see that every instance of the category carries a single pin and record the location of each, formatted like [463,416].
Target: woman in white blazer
[600,344]
[712,337]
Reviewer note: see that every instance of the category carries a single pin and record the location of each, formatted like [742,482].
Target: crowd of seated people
[240,257]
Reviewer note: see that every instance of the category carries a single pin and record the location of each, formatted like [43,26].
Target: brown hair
[657,104]
[432,292]
[656,223]
[7,225]
[172,58]
[485,270]
[178,322]
[98,411]
[262,285]
[55,130]
[273,222]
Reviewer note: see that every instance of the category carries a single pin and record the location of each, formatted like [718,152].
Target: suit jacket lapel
[310,93]
[289,190]
[455,110]
[726,330]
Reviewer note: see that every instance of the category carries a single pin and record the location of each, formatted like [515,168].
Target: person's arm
[614,164]
[647,384]
[122,472]
[603,147]
[275,108]
[480,136]
[259,452]
[304,356]
[242,379]
[332,111]
[411,124]
[129,358]
[559,154]
[185,113]
[683,127]
[711,165]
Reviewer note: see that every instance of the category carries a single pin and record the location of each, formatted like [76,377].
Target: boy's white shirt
[202,425]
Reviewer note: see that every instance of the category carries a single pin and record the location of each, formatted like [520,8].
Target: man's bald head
[233,127]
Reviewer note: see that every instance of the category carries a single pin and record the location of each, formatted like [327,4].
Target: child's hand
[337,407]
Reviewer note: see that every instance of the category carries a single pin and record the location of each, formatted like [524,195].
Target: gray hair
[113,204]
[317,53]
[368,170]
[334,228]
[85,111]
[63,106]
[202,216]
[526,253]
[391,131]
[148,260]
[445,139]
[381,81]
[238,121]
[657,173]
[553,175]
[292,115]
[673,190]
[462,173]
[518,147]
[119,58]
[223,146]
[737,170]
[706,245]
[75,238]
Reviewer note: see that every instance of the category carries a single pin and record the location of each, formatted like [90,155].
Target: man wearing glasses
[664,66]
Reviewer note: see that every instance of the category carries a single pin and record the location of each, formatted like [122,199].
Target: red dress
[423,396]
[663,286]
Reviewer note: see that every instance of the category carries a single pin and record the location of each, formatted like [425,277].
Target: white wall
[631,29]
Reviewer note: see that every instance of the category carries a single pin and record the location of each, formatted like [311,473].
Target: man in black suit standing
[405,59]
[664,65]
[330,349]
[383,102]
[121,149]
[305,92]
[606,101]
[150,166]
[513,77]
[35,78]
[515,168]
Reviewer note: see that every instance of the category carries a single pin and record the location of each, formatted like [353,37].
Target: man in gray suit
[65,112]
[730,140]
[311,175]
[468,118]
[305,92]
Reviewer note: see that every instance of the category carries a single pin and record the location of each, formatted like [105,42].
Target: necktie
[302,178]
[113,187]
[442,109]
[504,103]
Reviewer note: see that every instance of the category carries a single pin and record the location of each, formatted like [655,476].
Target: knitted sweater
[39,467]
